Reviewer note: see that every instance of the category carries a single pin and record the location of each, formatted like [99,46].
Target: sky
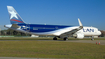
[56,12]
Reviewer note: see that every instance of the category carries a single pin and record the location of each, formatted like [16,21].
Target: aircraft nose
[99,32]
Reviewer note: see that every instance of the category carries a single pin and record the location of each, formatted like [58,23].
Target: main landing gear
[55,38]
[65,38]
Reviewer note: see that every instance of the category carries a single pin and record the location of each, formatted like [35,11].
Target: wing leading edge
[69,33]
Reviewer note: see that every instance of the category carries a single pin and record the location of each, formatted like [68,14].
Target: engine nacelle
[80,35]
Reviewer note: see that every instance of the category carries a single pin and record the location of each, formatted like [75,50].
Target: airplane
[58,31]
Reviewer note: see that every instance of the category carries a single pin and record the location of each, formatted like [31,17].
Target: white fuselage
[87,31]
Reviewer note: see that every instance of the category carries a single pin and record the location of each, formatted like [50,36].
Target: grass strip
[51,49]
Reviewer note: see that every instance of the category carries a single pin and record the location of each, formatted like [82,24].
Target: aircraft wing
[69,33]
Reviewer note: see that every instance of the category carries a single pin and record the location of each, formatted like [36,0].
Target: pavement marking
[102,42]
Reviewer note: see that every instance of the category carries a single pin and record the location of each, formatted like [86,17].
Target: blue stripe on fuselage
[38,28]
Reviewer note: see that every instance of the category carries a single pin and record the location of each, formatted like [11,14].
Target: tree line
[10,32]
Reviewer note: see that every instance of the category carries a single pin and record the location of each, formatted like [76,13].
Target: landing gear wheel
[92,38]
[65,38]
[54,38]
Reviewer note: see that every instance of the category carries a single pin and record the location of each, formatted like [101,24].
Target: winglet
[80,24]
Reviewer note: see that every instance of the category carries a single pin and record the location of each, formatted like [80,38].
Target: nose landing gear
[92,38]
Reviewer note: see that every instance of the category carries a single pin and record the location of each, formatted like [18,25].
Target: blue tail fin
[14,16]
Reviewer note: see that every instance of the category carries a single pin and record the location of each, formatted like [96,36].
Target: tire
[54,38]
[65,38]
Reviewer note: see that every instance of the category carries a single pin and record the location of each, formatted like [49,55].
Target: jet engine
[79,35]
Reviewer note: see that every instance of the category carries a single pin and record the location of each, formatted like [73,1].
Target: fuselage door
[27,27]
